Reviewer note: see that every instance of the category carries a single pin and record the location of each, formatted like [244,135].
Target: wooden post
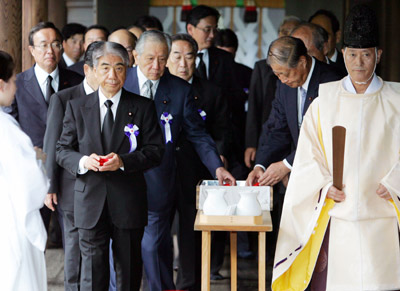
[10,34]
[33,12]
[205,260]
[233,237]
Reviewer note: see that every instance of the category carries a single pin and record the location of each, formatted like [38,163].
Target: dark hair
[286,51]
[70,29]
[200,12]
[330,15]
[96,26]
[137,26]
[149,21]
[188,38]
[7,66]
[88,58]
[43,25]
[226,38]
[319,35]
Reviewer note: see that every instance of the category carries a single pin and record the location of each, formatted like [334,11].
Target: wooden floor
[247,273]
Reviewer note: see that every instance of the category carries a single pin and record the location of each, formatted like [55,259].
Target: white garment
[23,187]
[364,252]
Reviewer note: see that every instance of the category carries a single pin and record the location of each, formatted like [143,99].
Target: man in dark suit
[61,191]
[261,94]
[109,139]
[328,21]
[300,76]
[93,33]
[176,114]
[72,44]
[37,84]
[213,109]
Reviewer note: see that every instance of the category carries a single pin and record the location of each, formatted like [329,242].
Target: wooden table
[206,229]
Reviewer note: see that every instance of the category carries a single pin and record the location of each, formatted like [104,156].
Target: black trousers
[94,247]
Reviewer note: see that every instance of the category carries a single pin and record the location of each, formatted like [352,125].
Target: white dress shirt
[41,76]
[87,88]
[142,79]
[206,60]
[68,61]
[334,57]
[103,110]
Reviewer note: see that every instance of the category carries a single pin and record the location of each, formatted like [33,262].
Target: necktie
[107,127]
[201,70]
[49,89]
[148,92]
[303,94]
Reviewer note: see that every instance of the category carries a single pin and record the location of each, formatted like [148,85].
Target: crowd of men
[132,120]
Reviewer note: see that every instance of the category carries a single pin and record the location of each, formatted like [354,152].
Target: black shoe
[216,277]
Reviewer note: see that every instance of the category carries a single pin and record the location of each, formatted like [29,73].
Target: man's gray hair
[286,51]
[288,19]
[319,35]
[152,35]
[109,48]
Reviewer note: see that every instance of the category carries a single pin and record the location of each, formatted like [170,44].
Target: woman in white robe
[23,187]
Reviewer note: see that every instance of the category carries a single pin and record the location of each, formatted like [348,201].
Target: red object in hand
[102,161]
[227,184]
[256,184]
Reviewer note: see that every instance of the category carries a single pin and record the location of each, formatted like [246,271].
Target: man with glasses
[72,44]
[37,84]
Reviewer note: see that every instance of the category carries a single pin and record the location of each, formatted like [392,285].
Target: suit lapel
[162,99]
[91,117]
[313,86]
[132,81]
[212,63]
[33,88]
[292,118]
[63,79]
[125,112]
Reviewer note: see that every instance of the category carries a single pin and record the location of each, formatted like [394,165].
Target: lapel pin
[130,113]
[165,101]
[195,97]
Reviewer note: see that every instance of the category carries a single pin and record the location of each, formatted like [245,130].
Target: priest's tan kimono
[364,252]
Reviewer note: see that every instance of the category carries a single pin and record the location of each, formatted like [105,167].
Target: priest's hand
[273,174]
[335,194]
[254,176]
[383,192]
[50,200]
[92,162]
[114,163]
[249,156]
[40,155]
[224,176]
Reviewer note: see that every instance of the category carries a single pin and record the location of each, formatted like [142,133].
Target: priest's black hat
[361,28]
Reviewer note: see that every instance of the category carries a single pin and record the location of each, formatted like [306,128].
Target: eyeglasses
[44,46]
[208,30]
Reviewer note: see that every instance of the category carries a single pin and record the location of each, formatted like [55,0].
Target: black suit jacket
[124,190]
[339,64]
[61,181]
[281,131]
[29,107]
[62,63]
[78,68]
[261,94]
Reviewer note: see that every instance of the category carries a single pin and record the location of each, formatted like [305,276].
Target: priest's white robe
[23,187]
[364,251]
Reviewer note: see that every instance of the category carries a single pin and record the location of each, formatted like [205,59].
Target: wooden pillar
[33,12]
[10,34]
[57,13]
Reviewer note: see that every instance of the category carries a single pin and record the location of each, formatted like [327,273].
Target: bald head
[314,37]
[288,24]
[127,39]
